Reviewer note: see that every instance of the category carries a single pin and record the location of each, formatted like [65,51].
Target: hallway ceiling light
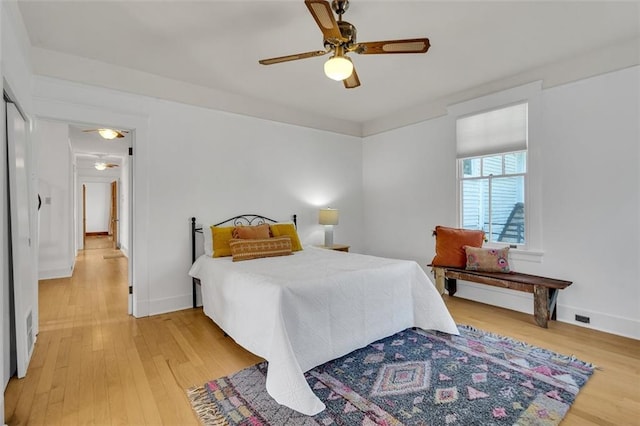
[103,165]
[108,133]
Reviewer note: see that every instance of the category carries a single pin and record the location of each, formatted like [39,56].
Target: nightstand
[337,247]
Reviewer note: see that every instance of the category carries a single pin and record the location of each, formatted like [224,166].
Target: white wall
[215,165]
[56,249]
[589,144]
[408,189]
[591,193]
[98,206]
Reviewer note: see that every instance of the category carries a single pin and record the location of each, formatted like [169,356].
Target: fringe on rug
[206,411]
[534,349]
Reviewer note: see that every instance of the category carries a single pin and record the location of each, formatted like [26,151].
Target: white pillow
[208,240]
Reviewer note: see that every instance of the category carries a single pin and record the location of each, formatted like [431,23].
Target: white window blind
[493,132]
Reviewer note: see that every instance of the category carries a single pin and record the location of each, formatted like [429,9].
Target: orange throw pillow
[257,232]
[450,244]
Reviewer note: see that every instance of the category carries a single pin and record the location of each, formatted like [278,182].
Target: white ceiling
[217,44]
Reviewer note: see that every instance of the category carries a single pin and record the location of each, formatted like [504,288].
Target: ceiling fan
[339,38]
[101,164]
[109,133]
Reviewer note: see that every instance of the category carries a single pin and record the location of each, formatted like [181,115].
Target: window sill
[534,256]
[520,254]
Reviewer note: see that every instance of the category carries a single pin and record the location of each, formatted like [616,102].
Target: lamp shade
[100,165]
[338,68]
[328,217]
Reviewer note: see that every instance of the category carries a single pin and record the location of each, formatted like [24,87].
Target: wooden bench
[545,290]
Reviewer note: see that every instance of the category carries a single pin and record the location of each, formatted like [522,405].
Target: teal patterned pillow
[487,259]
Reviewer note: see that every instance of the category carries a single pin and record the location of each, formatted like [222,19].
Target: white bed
[302,310]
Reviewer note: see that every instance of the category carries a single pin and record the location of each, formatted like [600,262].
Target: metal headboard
[240,220]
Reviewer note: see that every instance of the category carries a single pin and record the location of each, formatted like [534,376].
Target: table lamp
[328,217]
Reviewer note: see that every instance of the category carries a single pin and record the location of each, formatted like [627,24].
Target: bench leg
[439,273]
[451,285]
[541,305]
[553,298]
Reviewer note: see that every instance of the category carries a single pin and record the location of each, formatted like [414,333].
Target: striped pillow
[254,249]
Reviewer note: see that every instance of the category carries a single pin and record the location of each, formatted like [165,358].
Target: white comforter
[316,305]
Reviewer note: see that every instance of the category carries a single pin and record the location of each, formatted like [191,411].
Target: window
[492,172]
[492,192]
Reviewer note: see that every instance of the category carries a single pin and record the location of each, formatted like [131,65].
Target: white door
[23,285]
[5,342]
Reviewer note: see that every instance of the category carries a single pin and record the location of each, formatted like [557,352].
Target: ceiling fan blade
[352,81]
[321,11]
[412,45]
[295,57]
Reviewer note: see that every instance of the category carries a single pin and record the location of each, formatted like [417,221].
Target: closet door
[23,277]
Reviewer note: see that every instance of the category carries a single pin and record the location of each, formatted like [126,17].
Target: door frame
[84,214]
[77,113]
[114,217]
[81,190]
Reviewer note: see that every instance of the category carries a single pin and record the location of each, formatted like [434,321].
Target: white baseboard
[170,304]
[627,327]
[504,298]
[49,274]
[523,302]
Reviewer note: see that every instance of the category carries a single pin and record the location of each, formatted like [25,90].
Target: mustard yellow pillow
[221,237]
[287,229]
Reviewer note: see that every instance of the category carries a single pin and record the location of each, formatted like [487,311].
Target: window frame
[531,93]
[489,178]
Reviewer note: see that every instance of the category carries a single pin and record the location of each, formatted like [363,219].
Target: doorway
[66,111]
[85,183]
[100,216]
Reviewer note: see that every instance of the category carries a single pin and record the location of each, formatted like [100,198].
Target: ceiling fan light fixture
[108,133]
[100,165]
[338,68]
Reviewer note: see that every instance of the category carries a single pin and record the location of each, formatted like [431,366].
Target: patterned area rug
[413,378]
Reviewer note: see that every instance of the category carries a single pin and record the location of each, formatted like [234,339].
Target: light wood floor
[94,364]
